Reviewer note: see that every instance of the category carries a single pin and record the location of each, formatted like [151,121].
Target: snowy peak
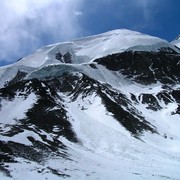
[89,48]
[84,51]
[178,37]
[176,42]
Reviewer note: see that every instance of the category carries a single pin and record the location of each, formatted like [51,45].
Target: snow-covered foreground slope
[79,128]
[102,107]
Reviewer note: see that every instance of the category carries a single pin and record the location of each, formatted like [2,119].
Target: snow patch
[11,111]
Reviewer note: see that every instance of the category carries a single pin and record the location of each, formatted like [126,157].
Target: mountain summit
[86,50]
[101,107]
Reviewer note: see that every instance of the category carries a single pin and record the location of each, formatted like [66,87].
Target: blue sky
[29,24]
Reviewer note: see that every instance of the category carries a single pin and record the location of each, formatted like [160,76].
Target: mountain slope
[102,107]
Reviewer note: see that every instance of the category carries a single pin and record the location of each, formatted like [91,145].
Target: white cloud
[78,13]
[27,24]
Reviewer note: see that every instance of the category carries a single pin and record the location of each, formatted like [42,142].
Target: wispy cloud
[29,24]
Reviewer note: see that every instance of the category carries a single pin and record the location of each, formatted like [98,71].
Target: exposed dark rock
[151,101]
[93,66]
[19,76]
[67,57]
[145,67]
[58,56]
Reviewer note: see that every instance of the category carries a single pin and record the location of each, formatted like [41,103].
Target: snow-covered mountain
[100,107]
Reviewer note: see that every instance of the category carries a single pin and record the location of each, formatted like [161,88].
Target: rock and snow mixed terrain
[100,107]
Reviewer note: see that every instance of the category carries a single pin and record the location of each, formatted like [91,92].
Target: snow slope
[17,108]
